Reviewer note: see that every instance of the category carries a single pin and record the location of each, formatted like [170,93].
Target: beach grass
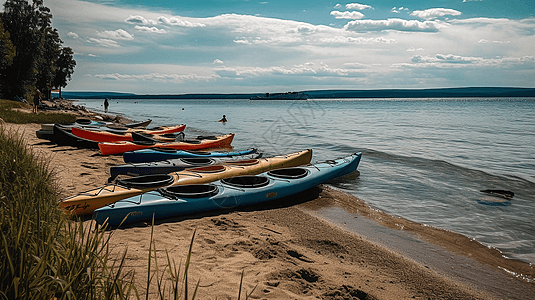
[10,112]
[44,255]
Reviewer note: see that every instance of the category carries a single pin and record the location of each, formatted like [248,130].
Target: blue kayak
[174,165]
[226,193]
[159,154]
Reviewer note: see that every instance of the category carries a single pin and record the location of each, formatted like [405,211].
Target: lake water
[423,159]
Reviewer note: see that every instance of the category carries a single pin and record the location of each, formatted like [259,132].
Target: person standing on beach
[106,104]
[36,100]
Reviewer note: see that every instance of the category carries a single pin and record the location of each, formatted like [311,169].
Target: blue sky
[241,46]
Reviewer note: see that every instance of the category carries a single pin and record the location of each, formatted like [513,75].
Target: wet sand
[288,250]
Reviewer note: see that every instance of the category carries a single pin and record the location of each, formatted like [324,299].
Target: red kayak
[201,142]
[111,137]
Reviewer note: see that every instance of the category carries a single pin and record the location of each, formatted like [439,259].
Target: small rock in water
[500,193]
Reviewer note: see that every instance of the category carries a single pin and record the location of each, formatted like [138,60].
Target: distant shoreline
[468,92]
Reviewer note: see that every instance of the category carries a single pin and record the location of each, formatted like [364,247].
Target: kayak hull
[86,202]
[78,122]
[96,124]
[150,155]
[63,137]
[109,136]
[173,165]
[45,134]
[221,141]
[221,194]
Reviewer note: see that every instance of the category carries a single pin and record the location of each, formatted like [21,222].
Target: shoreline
[288,251]
[456,92]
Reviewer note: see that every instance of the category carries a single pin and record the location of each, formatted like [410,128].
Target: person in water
[224,119]
[106,104]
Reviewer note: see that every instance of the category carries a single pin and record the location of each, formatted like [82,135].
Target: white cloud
[498,28]
[384,40]
[392,24]
[150,29]
[275,50]
[243,41]
[104,42]
[72,35]
[338,6]
[484,41]
[218,62]
[306,29]
[156,77]
[434,13]
[528,23]
[270,40]
[357,6]
[174,21]
[355,40]
[354,65]
[310,69]
[119,34]
[398,10]
[353,15]
[451,59]
[140,20]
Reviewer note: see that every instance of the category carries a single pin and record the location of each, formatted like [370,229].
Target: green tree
[46,63]
[38,49]
[20,20]
[7,53]
[7,50]
[64,69]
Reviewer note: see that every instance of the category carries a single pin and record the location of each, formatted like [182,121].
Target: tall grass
[42,254]
[10,115]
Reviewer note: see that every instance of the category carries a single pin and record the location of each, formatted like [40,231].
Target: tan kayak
[86,202]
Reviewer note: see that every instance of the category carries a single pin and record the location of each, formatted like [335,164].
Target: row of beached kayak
[169,178]
[117,140]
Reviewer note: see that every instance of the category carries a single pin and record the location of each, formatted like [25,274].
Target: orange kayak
[108,136]
[201,142]
[86,202]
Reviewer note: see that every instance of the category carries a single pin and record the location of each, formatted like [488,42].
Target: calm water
[424,160]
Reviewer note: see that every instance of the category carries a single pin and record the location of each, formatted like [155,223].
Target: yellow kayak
[86,202]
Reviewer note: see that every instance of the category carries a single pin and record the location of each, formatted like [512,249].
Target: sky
[248,46]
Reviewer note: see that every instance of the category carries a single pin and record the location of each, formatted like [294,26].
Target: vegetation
[10,114]
[31,52]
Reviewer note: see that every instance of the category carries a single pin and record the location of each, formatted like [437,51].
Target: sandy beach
[287,251]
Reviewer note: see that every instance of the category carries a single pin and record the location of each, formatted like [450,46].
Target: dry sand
[286,252]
